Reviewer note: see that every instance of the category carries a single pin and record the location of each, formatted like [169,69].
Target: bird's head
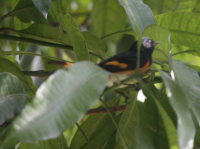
[148,43]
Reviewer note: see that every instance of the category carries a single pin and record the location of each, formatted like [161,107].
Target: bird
[124,65]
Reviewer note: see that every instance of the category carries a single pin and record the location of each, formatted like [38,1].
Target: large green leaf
[158,33]
[143,134]
[178,5]
[108,17]
[42,6]
[138,13]
[184,27]
[100,124]
[78,41]
[41,32]
[177,98]
[44,32]
[12,96]
[61,101]
[160,121]
[128,123]
[188,79]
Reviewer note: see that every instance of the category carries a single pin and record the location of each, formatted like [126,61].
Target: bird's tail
[60,63]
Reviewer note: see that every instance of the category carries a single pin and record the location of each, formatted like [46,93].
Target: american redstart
[124,64]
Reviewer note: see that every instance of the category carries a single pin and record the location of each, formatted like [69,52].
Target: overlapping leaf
[108,17]
[138,13]
[178,5]
[184,28]
[12,96]
[177,98]
[61,101]
[188,79]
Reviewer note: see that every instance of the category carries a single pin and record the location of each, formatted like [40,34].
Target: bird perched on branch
[124,64]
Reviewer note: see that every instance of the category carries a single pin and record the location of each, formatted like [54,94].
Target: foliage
[63,112]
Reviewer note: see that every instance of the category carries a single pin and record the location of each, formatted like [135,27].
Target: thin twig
[114,122]
[84,135]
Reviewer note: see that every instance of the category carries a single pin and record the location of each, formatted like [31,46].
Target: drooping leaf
[177,98]
[184,28]
[160,121]
[188,79]
[8,66]
[42,6]
[95,124]
[143,134]
[178,5]
[78,41]
[139,12]
[12,96]
[61,101]
[158,33]
[127,124]
[108,17]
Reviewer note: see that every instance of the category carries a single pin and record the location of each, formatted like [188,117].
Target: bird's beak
[156,42]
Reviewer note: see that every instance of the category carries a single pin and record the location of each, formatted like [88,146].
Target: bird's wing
[123,62]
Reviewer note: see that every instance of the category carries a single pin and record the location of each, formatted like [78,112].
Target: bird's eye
[149,41]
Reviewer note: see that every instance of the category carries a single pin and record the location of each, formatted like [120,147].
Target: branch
[40,73]
[102,110]
[44,43]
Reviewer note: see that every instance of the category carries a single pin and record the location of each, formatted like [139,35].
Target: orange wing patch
[67,64]
[116,63]
[133,71]
[145,66]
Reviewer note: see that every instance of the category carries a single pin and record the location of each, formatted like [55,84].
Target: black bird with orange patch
[124,64]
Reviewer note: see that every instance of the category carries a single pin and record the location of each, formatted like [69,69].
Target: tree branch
[102,110]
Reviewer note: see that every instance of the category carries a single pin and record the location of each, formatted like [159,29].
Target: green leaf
[33,145]
[12,96]
[95,44]
[160,121]
[78,41]
[42,6]
[104,22]
[188,79]
[127,123]
[158,33]
[8,66]
[61,101]
[44,32]
[177,98]
[58,143]
[183,26]
[138,13]
[95,124]
[57,10]
[143,134]
[26,11]
[178,5]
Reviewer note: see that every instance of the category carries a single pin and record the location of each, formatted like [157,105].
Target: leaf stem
[120,134]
